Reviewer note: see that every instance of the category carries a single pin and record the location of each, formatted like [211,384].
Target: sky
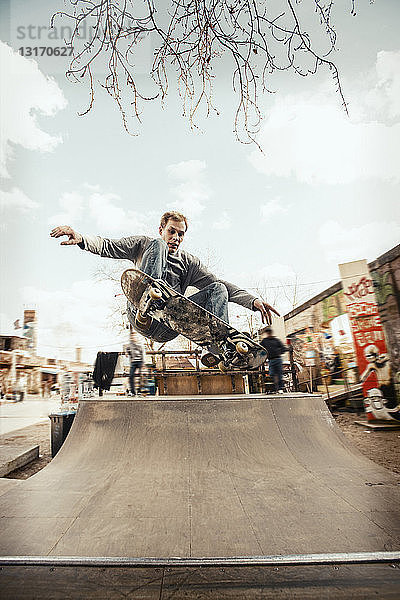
[325,189]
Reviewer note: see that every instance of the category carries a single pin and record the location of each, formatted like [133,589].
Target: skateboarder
[162,258]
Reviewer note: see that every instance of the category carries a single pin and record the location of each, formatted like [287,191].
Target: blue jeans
[213,297]
[135,366]
[276,372]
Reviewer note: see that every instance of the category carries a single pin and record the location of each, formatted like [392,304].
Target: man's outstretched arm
[130,248]
[74,237]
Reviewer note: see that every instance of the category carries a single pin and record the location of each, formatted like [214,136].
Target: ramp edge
[176,561]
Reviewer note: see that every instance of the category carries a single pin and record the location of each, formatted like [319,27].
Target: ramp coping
[202,397]
[176,561]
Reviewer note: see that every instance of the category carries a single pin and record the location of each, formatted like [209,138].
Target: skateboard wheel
[142,321]
[242,348]
[155,293]
[222,367]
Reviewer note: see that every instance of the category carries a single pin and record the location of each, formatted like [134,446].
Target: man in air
[163,259]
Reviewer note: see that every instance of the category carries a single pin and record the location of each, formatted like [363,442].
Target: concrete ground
[25,434]
[37,434]
[33,409]
[380,446]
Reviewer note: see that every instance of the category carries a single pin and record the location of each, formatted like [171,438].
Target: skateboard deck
[155,299]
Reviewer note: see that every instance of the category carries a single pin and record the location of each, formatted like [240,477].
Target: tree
[189,38]
[282,293]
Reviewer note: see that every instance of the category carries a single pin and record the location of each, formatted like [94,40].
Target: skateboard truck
[233,357]
[153,301]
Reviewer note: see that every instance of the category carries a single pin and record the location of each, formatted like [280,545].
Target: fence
[350,391]
[197,380]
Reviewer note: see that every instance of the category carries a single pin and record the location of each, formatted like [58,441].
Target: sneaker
[208,359]
[280,391]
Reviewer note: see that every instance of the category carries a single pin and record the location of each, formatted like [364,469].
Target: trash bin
[60,425]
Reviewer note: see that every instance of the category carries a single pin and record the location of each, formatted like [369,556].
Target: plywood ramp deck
[203,477]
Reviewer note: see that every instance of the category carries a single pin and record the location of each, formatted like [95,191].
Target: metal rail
[234,561]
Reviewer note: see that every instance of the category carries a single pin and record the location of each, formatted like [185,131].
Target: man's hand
[265,310]
[73,237]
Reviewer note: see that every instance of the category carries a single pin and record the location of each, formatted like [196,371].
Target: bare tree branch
[189,38]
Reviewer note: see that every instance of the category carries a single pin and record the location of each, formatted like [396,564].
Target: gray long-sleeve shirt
[136,352]
[183,270]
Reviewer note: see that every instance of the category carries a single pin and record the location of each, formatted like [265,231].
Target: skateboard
[153,298]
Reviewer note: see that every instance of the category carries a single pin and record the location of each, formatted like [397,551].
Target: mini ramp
[197,478]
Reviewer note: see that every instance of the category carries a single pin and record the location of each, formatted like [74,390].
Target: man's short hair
[175,216]
[266,329]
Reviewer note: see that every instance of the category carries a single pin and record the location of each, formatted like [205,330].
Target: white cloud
[16,199]
[317,143]
[365,242]
[384,95]
[105,210]
[72,206]
[73,317]
[311,139]
[276,271]
[191,191]
[92,187]
[25,91]
[110,217]
[190,200]
[224,222]
[188,169]
[271,208]
[277,283]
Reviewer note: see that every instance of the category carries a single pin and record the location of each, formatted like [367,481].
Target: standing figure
[136,356]
[275,349]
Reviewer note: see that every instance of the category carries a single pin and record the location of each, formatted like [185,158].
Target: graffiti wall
[369,341]
[386,278]
[323,324]
[322,329]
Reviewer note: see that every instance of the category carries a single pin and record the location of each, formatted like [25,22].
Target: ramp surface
[234,476]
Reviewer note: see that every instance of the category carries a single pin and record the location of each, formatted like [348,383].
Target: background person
[136,355]
[275,349]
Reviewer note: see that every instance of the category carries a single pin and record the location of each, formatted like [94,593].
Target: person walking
[275,349]
[136,356]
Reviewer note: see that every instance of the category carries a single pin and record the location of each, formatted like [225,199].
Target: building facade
[320,330]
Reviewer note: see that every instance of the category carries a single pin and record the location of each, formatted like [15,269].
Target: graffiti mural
[325,321]
[386,280]
[324,329]
[333,306]
[369,341]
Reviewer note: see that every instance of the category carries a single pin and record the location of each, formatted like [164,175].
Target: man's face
[173,234]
